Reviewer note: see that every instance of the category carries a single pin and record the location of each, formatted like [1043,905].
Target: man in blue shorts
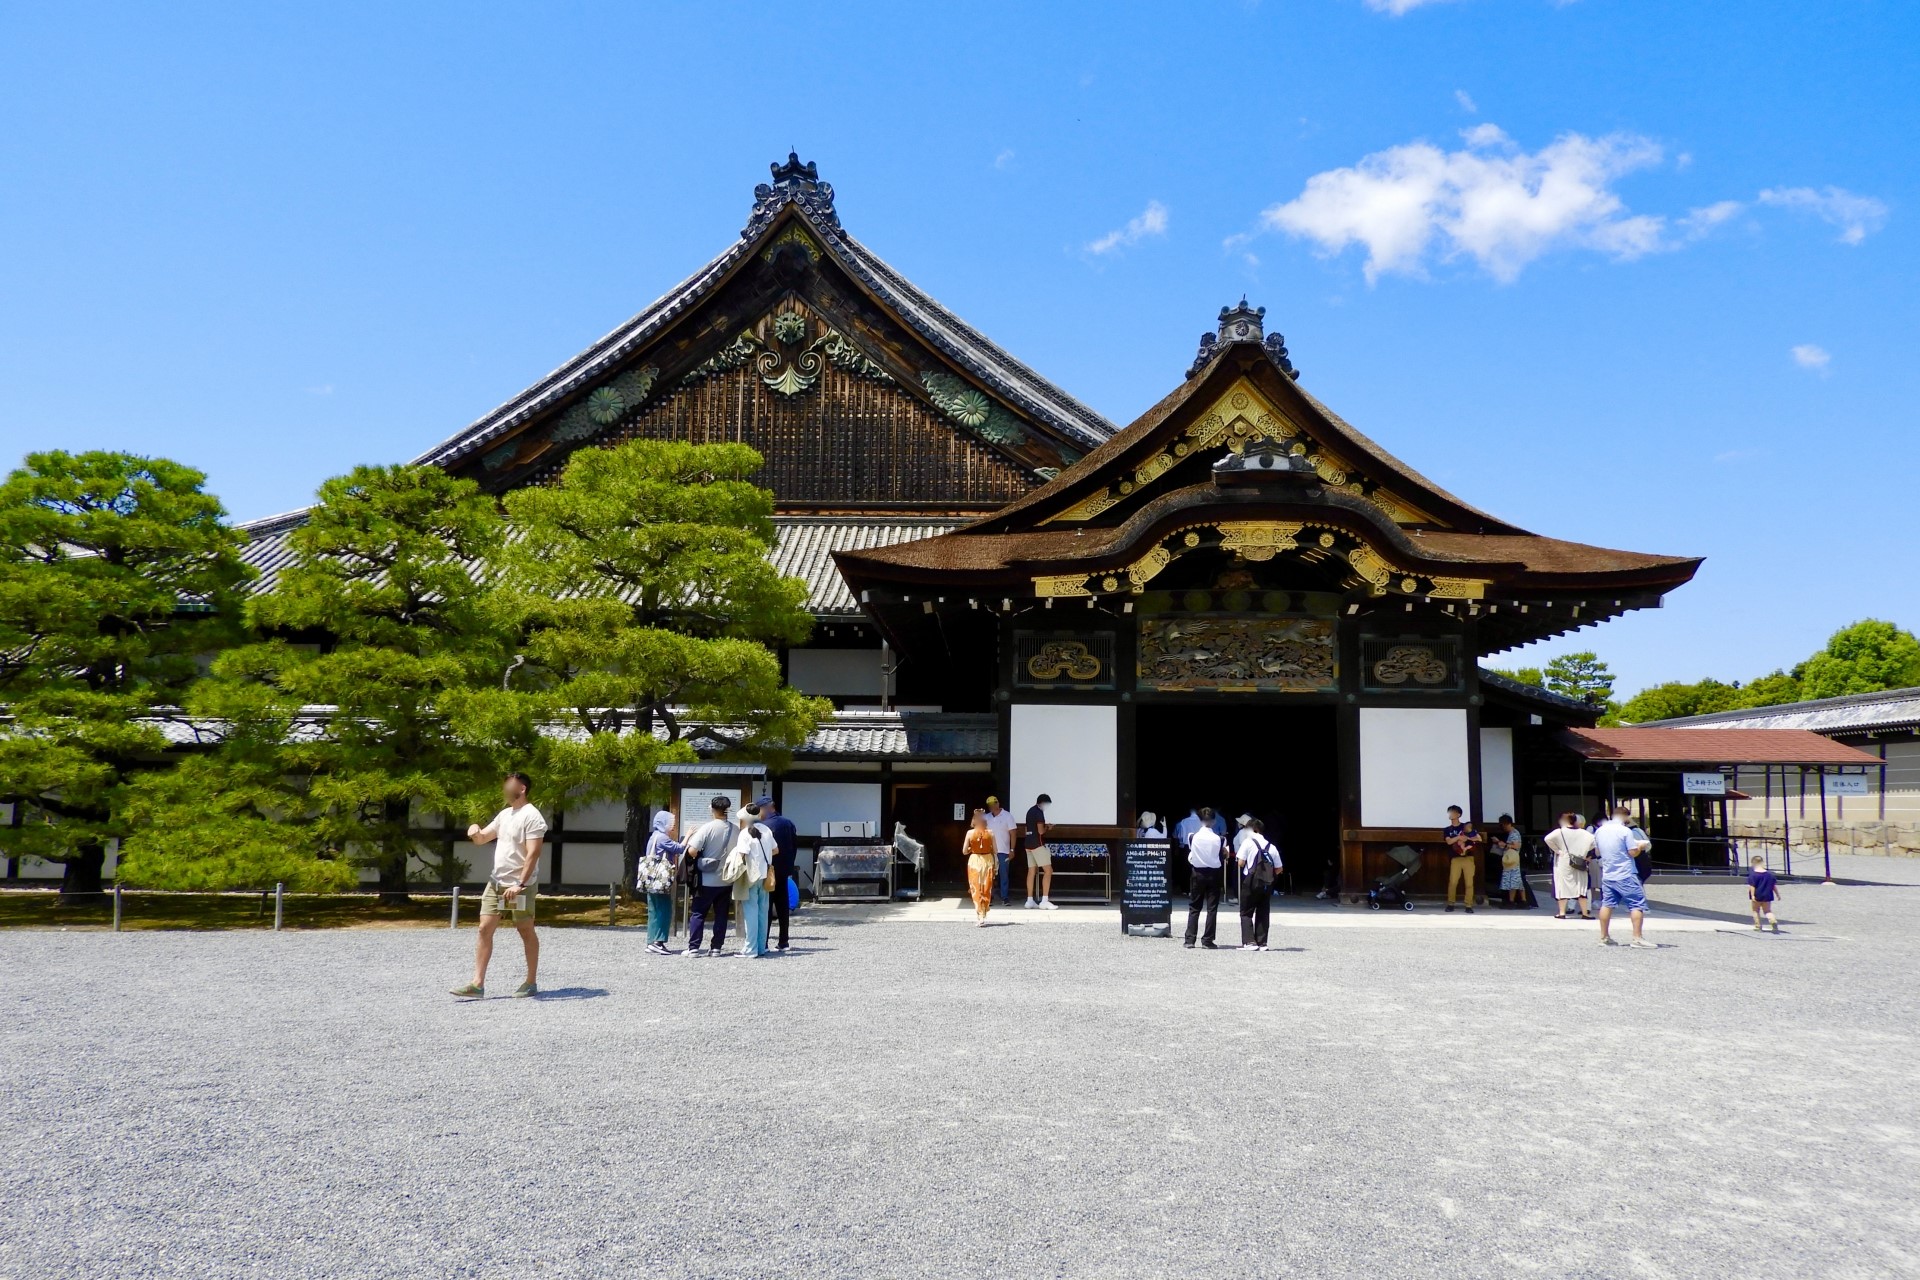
[1619,875]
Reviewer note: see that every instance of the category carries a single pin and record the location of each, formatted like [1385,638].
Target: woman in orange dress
[982,867]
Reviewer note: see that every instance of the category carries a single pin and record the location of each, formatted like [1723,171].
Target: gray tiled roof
[804,550]
[924,735]
[807,543]
[1533,692]
[920,734]
[1889,709]
[938,327]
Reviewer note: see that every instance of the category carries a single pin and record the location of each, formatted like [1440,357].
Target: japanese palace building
[1237,600]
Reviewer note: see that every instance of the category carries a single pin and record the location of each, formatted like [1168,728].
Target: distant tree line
[1865,657]
[425,637]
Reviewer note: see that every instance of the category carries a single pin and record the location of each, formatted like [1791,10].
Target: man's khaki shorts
[520,910]
[1040,857]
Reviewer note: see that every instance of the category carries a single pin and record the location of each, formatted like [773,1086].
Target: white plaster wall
[1496,774]
[1071,753]
[1413,764]
[844,673]
[808,804]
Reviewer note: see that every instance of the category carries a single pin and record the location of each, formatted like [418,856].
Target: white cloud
[1398,7]
[1467,104]
[1004,159]
[1491,201]
[1151,222]
[1857,216]
[1699,222]
[1808,356]
[324,389]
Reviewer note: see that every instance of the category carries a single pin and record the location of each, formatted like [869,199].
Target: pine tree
[338,732]
[640,585]
[115,572]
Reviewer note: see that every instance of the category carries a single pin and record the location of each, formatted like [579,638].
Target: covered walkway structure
[1682,780]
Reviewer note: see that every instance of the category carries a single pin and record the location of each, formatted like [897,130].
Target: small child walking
[1763,890]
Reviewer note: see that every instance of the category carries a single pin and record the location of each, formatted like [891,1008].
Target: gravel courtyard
[909,1096]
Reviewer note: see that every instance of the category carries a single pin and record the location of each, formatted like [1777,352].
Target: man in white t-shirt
[1002,824]
[516,832]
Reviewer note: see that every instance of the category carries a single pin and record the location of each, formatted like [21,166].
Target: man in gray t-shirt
[708,847]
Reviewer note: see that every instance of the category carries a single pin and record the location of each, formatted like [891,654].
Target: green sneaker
[472,991]
[527,989]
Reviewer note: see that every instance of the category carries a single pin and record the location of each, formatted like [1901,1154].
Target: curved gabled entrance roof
[1182,478]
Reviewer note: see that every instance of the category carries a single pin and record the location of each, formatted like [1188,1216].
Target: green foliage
[640,586]
[1770,691]
[1524,675]
[1580,675]
[333,749]
[1676,698]
[1863,658]
[115,572]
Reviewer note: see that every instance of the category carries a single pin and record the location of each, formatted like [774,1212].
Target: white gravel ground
[916,1097]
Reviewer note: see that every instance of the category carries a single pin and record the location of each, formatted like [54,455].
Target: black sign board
[1146,897]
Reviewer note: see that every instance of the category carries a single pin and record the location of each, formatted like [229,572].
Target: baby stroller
[1388,891]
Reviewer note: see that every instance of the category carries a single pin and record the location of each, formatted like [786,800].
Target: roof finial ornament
[793,183]
[1243,323]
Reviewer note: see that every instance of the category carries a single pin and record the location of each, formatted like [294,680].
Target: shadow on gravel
[572,993]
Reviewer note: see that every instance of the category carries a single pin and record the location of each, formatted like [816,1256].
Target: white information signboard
[1703,784]
[1846,784]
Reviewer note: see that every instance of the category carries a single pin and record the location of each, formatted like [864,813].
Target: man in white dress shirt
[1203,855]
[517,832]
[1002,824]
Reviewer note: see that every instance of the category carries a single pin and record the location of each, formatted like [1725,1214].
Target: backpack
[1263,872]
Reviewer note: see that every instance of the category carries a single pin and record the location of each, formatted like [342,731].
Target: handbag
[656,875]
[1578,861]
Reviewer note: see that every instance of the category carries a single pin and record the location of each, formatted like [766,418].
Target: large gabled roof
[795,194]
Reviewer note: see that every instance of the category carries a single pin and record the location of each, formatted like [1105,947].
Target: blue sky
[1623,271]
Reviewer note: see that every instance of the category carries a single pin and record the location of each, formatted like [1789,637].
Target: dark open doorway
[1277,762]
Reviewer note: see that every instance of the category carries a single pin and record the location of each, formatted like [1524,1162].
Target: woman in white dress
[1569,841]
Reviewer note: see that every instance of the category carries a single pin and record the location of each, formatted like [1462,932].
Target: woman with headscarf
[656,880]
[982,866]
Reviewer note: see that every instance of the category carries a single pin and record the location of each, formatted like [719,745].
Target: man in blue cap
[786,840]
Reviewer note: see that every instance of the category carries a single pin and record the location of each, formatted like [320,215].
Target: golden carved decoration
[1459,589]
[1260,540]
[1241,416]
[1367,563]
[1088,508]
[1069,658]
[1415,662]
[1062,584]
[792,235]
[1147,567]
[1286,655]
